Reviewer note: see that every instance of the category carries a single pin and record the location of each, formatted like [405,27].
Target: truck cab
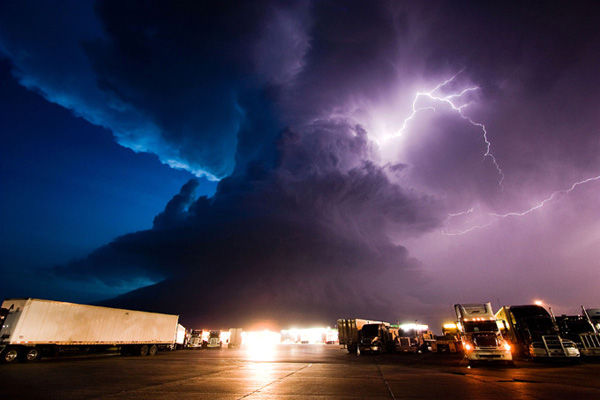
[348,332]
[580,330]
[374,338]
[481,338]
[195,340]
[412,338]
[214,340]
[449,342]
[533,333]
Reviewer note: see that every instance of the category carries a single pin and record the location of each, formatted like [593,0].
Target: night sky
[300,162]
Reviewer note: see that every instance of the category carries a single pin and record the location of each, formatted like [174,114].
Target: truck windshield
[540,325]
[576,326]
[481,326]
[370,330]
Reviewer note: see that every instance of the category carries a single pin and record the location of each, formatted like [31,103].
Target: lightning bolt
[459,109]
[496,217]
[452,100]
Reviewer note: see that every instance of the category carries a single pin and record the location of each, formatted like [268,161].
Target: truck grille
[590,340]
[485,340]
[552,342]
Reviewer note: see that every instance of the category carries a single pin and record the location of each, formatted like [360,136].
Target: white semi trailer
[33,327]
[235,338]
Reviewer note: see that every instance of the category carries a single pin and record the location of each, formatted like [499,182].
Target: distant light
[309,335]
[260,345]
[450,326]
[538,303]
[416,327]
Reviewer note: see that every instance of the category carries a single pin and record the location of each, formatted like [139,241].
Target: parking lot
[293,372]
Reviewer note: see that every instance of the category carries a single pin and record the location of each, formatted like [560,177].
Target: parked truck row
[214,339]
[32,328]
[526,331]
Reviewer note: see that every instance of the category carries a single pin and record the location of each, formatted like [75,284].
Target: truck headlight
[507,346]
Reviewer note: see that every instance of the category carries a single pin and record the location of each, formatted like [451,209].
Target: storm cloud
[339,184]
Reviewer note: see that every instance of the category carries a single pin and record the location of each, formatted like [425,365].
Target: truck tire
[30,354]
[11,354]
[153,350]
[143,350]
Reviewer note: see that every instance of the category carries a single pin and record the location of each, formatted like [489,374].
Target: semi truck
[348,331]
[214,340]
[195,340]
[533,333]
[32,328]
[581,330]
[479,333]
[375,338]
[449,342]
[412,338]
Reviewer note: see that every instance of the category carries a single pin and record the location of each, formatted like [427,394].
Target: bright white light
[261,345]
[415,327]
[205,334]
[224,336]
[310,335]
[538,303]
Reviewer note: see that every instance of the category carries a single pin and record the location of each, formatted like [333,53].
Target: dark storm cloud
[178,79]
[293,105]
[282,240]
[177,207]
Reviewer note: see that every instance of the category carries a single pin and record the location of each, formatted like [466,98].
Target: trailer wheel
[11,354]
[153,350]
[31,354]
[143,350]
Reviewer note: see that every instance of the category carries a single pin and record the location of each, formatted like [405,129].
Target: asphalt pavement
[293,372]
